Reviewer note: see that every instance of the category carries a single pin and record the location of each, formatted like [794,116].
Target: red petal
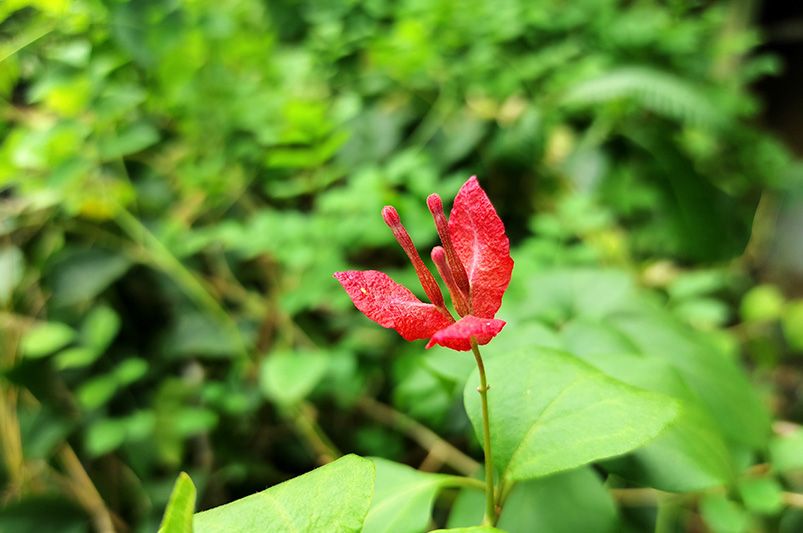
[479,239]
[392,305]
[458,335]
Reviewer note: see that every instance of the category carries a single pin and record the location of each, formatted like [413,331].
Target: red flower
[474,263]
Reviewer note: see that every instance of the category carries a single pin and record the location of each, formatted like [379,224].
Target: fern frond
[654,90]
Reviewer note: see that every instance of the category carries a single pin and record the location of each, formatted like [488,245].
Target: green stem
[490,507]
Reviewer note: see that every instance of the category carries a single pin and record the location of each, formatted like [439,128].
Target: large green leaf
[550,412]
[178,515]
[567,502]
[332,498]
[691,453]
[717,381]
[628,322]
[403,498]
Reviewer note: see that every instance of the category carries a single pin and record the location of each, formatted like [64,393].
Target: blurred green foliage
[179,180]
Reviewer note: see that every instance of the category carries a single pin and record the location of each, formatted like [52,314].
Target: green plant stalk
[490,506]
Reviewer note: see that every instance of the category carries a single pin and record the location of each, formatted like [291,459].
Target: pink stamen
[431,288]
[441,263]
[458,270]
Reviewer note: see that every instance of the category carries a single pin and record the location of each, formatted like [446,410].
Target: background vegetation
[179,180]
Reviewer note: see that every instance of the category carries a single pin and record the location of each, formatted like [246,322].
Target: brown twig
[425,437]
[85,492]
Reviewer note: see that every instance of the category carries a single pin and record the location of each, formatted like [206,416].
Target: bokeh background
[180,179]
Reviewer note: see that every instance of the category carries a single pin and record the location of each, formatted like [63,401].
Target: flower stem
[490,507]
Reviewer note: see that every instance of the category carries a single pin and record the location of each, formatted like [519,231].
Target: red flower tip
[435,204]
[438,255]
[391,216]
[430,286]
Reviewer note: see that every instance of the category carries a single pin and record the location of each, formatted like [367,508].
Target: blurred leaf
[554,413]
[130,370]
[288,377]
[42,430]
[792,322]
[180,509]
[45,338]
[97,391]
[762,495]
[99,328]
[335,497]
[472,529]
[786,451]
[83,274]
[12,268]
[104,436]
[196,334]
[762,303]
[43,513]
[560,503]
[77,357]
[133,139]
[658,91]
[191,421]
[723,515]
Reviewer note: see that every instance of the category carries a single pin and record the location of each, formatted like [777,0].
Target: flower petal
[392,305]
[458,335]
[479,238]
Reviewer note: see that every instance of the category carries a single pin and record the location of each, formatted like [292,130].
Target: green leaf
[658,91]
[45,338]
[97,391]
[472,529]
[691,453]
[723,515]
[763,303]
[99,328]
[566,502]
[76,357]
[762,495]
[12,267]
[792,323]
[180,508]
[133,139]
[83,274]
[333,498]
[196,334]
[105,435]
[551,412]
[43,513]
[718,383]
[130,370]
[403,498]
[786,451]
[561,503]
[288,377]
